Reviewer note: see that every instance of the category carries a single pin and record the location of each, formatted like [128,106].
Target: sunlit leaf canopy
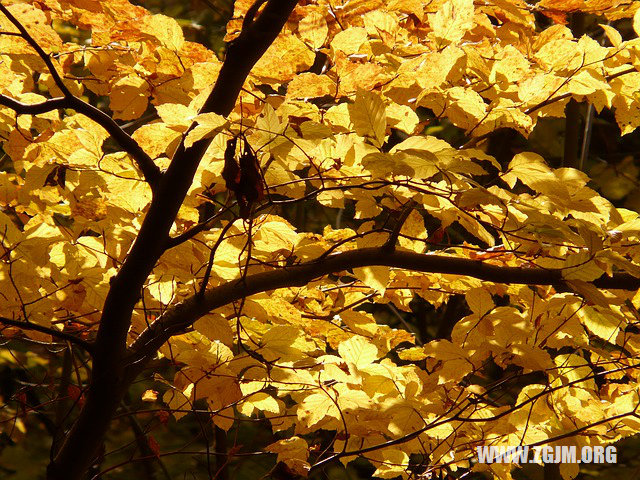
[338,114]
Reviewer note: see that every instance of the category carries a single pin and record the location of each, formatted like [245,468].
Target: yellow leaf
[390,463]
[463,106]
[176,115]
[287,56]
[452,359]
[261,402]
[383,25]
[452,21]
[530,357]
[208,124]
[157,139]
[277,310]
[222,392]
[338,116]
[479,301]
[284,342]
[294,447]
[384,165]
[360,322]
[435,68]
[358,351]
[600,322]
[310,85]
[367,208]
[414,227]
[149,396]
[38,25]
[402,117]
[215,327]
[268,126]
[573,368]
[625,102]
[589,292]
[178,401]
[580,266]
[10,233]
[274,233]
[612,34]
[129,97]
[374,277]
[313,29]
[349,40]
[531,169]
[412,354]
[369,117]
[315,408]
[165,29]
[587,82]
[413,7]
[125,193]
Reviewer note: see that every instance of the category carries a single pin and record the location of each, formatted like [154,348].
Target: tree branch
[49,331]
[244,52]
[41,53]
[149,169]
[183,315]
[551,100]
[145,163]
[406,210]
[34,108]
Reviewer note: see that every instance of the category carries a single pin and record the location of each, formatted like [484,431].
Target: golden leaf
[368,116]
[452,21]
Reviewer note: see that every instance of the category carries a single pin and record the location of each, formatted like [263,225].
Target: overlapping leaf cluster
[320,110]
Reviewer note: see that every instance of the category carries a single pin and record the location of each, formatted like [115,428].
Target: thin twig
[207,272]
[49,331]
[193,231]
[407,208]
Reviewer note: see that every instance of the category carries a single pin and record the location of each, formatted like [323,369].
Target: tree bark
[110,380]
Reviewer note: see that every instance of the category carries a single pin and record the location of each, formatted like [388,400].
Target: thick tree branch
[571,134]
[176,319]
[109,380]
[245,51]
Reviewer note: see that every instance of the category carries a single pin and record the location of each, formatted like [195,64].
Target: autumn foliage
[252,238]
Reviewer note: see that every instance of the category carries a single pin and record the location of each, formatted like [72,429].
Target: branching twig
[551,100]
[196,229]
[150,171]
